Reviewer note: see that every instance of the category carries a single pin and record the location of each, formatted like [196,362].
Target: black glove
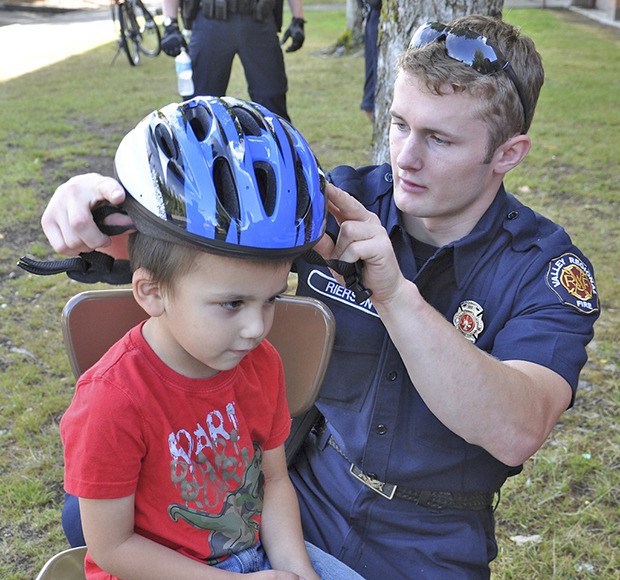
[295,31]
[172,41]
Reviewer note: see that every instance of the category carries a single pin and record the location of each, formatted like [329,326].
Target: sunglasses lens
[426,34]
[469,48]
[473,51]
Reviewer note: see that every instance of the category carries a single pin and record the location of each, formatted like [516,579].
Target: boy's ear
[511,153]
[147,293]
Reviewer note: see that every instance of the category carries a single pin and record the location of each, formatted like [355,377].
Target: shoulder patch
[572,281]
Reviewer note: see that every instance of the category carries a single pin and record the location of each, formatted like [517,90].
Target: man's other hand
[172,41]
[295,32]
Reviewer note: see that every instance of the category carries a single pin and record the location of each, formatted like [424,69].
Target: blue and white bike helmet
[223,174]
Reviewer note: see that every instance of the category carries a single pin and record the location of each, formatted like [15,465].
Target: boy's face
[437,149]
[216,314]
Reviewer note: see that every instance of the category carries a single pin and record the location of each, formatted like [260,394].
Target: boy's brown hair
[166,261]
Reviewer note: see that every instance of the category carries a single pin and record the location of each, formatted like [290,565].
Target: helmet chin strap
[352,273]
[88,267]
[92,267]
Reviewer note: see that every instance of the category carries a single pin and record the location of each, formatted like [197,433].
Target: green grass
[69,118]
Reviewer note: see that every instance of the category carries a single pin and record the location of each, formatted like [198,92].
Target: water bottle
[183,66]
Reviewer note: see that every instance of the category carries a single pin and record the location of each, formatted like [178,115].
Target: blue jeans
[250,560]
[255,559]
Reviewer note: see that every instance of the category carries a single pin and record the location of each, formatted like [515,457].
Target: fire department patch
[468,320]
[570,278]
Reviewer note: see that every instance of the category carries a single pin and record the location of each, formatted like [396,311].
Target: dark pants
[385,539]
[213,46]
[370,58]
[71,522]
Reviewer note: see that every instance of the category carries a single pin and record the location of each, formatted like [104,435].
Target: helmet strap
[352,273]
[88,267]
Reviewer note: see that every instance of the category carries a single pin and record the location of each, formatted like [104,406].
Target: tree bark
[354,22]
[399,19]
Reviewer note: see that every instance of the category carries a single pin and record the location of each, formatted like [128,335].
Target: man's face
[437,148]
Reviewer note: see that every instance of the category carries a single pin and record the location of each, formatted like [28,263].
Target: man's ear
[511,153]
[147,292]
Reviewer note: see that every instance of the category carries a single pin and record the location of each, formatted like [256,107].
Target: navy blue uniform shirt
[519,289]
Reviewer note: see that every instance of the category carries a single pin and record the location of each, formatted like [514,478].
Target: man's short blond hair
[500,106]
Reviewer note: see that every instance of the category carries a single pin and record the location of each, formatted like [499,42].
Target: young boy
[174,441]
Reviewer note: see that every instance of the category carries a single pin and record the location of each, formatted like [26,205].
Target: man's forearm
[508,408]
[170,8]
[297,8]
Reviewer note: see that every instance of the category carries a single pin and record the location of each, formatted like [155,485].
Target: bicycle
[138,32]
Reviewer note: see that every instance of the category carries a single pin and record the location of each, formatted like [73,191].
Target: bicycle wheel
[130,33]
[150,37]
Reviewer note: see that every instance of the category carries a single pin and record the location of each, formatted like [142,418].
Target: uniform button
[391,375]
[381,429]
[513,215]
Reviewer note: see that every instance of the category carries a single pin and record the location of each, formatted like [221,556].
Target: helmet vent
[199,121]
[303,193]
[166,141]
[226,188]
[247,121]
[266,181]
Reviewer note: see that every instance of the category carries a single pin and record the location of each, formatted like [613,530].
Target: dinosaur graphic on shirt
[234,528]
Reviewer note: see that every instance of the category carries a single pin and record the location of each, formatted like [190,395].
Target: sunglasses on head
[471,49]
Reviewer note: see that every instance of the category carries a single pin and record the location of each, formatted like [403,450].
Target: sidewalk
[39,35]
[44,32]
[52,6]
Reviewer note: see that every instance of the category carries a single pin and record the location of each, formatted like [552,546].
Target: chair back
[302,332]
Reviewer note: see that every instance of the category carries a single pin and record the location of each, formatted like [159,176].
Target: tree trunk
[399,19]
[354,23]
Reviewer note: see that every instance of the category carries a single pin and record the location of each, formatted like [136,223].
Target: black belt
[461,500]
[222,9]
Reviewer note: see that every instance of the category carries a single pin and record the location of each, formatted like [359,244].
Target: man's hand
[68,222]
[362,237]
[295,32]
[172,41]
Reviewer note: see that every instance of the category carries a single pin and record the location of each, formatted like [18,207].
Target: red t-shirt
[189,449]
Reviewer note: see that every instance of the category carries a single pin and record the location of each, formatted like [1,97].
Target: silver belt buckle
[387,490]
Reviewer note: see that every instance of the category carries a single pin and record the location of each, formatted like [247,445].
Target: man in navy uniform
[222,29]
[371,10]
[456,369]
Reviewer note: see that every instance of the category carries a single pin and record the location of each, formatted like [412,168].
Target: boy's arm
[115,547]
[281,532]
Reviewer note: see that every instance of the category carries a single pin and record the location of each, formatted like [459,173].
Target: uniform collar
[506,216]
